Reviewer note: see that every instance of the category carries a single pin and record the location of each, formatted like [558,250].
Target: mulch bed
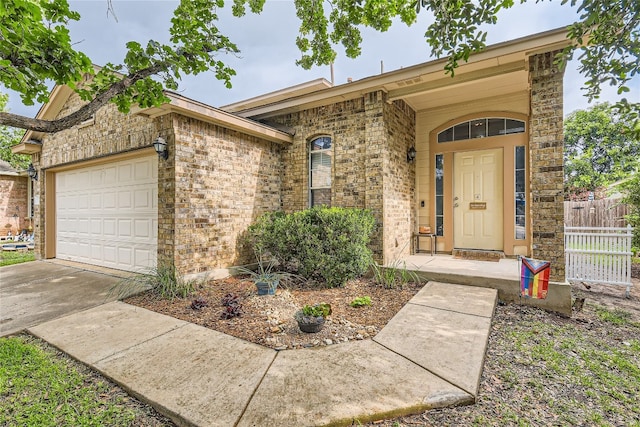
[269,320]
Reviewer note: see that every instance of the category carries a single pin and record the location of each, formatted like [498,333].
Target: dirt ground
[611,296]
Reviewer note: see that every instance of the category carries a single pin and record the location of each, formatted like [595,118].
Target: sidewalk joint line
[426,369]
[266,371]
[450,310]
[138,344]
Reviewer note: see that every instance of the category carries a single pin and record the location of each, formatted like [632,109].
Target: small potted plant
[311,318]
[264,276]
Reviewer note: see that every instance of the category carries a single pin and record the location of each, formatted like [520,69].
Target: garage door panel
[145,258]
[82,228]
[96,226]
[124,228]
[125,173]
[124,199]
[125,255]
[142,199]
[109,228]
[107,214]
[142,228]
[109,253]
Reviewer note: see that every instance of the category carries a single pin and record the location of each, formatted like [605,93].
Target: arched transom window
[481,128]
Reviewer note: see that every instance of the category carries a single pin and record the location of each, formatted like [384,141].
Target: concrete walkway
[429,355]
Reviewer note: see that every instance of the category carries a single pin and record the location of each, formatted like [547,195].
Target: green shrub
[323,244]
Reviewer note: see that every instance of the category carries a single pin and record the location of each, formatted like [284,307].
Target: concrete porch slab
[503,276]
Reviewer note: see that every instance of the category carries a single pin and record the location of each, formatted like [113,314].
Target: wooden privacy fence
[595,213]
[599,255]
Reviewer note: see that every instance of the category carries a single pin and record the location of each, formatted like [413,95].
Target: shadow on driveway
[39,291]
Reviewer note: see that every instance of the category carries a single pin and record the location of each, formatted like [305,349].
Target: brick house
[15,192]
[487,172]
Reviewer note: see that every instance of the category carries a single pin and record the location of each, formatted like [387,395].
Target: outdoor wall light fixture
[160,145]
[32,172]
[411,154]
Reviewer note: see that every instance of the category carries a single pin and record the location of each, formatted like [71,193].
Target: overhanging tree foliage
[8,138]
[35,46]
[597,149]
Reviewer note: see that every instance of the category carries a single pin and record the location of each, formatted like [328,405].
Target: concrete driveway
[35,292]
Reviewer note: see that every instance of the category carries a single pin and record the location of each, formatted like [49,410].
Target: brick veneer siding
[223,180]
[370,139]
[546,162]
[13,203]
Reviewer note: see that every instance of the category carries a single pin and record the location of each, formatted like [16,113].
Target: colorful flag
[534,278]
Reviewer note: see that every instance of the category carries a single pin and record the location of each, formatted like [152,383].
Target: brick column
[376,152]
[167,203]
[546,164]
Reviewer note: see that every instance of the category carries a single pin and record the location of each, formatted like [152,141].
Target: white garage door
[107,215]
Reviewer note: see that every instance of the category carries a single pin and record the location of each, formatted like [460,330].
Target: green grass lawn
[41,387]
[16,257]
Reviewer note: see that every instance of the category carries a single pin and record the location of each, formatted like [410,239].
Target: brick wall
[223,181]
[399,180]
[370,139]
[13,204]
[546,146]
[111,132]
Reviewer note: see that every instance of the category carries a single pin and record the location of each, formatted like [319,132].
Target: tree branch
[85,112]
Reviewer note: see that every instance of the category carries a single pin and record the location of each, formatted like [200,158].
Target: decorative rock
[328,341]
[275,329]
[359,337]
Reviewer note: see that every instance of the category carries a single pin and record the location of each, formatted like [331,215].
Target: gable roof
[60,94]
[501,68]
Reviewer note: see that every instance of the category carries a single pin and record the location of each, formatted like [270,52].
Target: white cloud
[268,52]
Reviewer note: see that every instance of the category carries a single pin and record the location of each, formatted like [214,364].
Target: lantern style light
[160,145]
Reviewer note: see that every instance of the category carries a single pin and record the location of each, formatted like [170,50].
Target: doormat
[478,255]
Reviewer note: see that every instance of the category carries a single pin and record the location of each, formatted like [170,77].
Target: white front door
[478,200]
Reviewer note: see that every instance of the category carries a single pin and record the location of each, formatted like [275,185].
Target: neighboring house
[15,192]
[487,172]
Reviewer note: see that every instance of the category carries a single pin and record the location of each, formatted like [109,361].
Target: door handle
[455,205]
[455,198]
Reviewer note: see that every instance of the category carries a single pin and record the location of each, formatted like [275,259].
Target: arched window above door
[481,128]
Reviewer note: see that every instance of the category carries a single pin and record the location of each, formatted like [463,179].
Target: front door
[478,200]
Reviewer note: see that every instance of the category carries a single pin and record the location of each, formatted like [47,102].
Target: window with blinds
[320,171]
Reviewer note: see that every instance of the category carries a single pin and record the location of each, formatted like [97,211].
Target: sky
[266,62]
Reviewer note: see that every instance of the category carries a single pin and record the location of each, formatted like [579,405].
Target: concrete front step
[504,276]
[478,255]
